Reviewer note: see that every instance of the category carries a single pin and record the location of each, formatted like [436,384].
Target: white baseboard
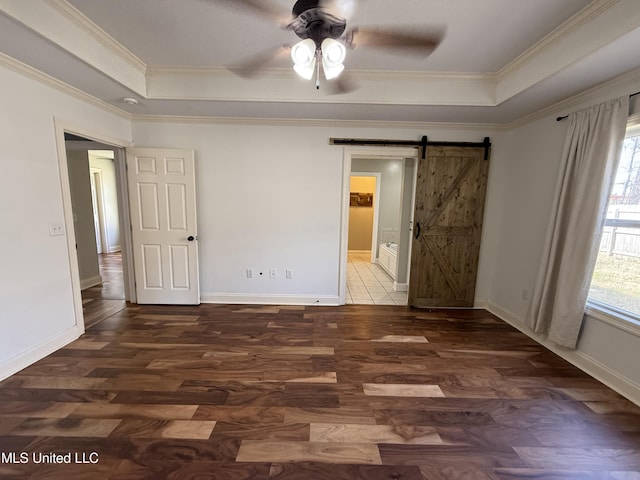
[114,249]
[400,287]
[90,282]
[269,299]
[23,360]
[612,379]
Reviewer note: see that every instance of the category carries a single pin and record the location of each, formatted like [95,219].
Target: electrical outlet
[288,274]
[56,229]
[273,274]
[249,273]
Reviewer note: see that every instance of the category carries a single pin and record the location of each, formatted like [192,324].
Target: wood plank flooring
[354,392]
[102,301]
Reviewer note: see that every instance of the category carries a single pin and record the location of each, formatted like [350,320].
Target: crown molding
[88,26]
[586,15]
[355,73]
[629,81]
[29,71]
[298,122]
[283,85]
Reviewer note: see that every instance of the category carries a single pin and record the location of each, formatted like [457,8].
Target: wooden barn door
[450,195]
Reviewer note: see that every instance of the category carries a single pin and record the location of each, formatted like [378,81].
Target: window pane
[616,279]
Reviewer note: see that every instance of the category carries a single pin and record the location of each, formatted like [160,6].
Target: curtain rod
[422,143]
[566,116]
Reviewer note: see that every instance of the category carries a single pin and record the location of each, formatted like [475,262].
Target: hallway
[102,301]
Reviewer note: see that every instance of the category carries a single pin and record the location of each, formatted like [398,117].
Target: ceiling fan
[322,27]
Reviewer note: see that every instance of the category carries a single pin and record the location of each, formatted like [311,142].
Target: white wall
[36,307]
[525,172]
[83,220]
[258,208]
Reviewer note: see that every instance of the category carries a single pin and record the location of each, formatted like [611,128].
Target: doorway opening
[367,282]
[377,214]
[95,215]
[106,220]
[96,218]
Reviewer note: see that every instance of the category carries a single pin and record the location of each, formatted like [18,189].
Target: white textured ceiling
[500,59]
[482,35]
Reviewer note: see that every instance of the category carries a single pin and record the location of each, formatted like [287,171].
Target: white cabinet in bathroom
[387,258]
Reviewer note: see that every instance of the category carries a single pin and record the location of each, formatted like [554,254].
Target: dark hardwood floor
[104,300]
[339,393]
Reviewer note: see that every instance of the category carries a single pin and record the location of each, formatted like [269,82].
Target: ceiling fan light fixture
[333,54]
[303,55]
[332,72]
[305,72]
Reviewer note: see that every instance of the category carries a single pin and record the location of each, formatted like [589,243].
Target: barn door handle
[417,230]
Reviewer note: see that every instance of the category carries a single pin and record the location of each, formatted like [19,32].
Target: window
[615,285]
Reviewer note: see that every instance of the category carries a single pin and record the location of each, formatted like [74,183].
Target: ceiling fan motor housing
[312,21]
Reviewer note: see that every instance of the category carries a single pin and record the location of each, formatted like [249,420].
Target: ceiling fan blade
[261,8]
[339,8]
[341,85]
[253,66]
[419,43]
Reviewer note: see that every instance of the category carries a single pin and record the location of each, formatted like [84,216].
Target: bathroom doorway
[379,221]
[364,209]
[366,282]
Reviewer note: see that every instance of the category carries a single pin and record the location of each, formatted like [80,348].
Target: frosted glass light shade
[333,54]
[303,55]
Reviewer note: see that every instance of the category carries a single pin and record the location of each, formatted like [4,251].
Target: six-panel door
[163,215]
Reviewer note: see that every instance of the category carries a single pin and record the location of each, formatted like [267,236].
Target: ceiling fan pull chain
[318,71]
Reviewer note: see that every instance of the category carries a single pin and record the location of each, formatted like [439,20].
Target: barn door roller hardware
[422,143]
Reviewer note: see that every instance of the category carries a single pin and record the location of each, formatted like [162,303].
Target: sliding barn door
[162,196]
[450,196]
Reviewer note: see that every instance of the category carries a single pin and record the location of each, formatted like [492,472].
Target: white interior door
[162,198]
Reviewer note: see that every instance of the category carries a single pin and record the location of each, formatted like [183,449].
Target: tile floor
[368,283]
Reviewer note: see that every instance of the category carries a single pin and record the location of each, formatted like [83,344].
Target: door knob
[191,238]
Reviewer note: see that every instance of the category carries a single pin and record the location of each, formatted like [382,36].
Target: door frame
[61,127]
[349,153]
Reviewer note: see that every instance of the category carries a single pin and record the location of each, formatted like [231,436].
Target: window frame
[610,314]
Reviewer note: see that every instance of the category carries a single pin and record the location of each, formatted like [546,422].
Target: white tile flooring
[368,283]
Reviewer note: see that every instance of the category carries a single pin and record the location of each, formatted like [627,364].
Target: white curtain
[589,162]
